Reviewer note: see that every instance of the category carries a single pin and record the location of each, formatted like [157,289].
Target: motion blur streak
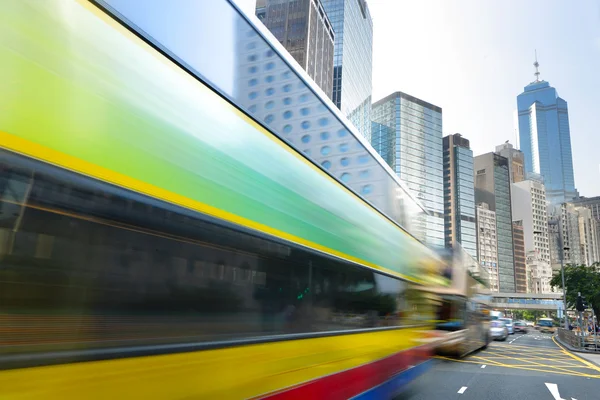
[148,250]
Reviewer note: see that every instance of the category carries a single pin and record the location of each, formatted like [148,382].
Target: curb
[573,349]
[569,349]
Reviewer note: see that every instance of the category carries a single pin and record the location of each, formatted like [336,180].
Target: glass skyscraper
[492,186]
[407,133]
[459,194]
[352,60]
[302,27]
[545,139]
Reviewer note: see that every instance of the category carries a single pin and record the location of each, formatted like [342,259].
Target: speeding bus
[463,309]
[164,234]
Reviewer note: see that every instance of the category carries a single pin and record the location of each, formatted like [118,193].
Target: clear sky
[473,57]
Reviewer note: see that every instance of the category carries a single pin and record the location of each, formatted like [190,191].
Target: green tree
[581,278]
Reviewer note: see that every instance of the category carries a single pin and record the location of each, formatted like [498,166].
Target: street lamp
[562,263]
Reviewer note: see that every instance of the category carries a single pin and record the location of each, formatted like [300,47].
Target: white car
[509,324]
[498,330]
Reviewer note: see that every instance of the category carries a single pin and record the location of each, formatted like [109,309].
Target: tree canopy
[581,278]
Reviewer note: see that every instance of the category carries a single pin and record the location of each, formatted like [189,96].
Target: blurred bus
[158,240]
[463,309]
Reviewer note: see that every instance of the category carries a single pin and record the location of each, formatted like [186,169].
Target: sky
[473,57]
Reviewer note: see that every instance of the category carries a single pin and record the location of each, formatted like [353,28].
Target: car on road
[546,325]
[498,330]
[509,324]
[520,326]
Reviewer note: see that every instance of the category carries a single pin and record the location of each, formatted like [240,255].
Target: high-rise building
[303,28]
[588,241]
[579,229]
[545,138]
[492,186]
[566,216]
[487,243]
[408,135]
[516,161]
[459,194]
[528,202]
[271,91]
[593,203]
[353,60]
[520,265]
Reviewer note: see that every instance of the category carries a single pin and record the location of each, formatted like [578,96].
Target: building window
[345,177]
[325,150]
[306,139]
[345,161]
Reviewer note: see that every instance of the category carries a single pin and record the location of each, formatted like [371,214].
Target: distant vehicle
[509,324]
[529,323]
[498,330]
[494,315]
[520,326]
[546,325]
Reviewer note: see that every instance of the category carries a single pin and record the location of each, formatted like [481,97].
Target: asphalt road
[525,366]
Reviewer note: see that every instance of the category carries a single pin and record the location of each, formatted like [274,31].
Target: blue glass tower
[407,133]
[352,60]
[545,138]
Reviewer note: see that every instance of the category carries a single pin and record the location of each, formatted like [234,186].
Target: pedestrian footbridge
[527,301]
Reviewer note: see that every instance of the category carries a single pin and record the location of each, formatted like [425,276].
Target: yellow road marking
[581,360]
[525,368]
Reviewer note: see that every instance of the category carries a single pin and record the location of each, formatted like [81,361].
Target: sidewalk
[591,357]
[595,358]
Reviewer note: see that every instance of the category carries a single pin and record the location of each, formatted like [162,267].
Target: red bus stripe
[350,383]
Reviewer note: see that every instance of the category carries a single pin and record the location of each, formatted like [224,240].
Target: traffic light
[581,304]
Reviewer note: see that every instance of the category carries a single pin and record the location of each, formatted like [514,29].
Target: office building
[537,275]
[528,201]
[588,241]
[487,243]
[520,265]
[593,203]
[271,91]
[492,186]
[302,27]
[408,135]
[516,161]
[459,194]
[566,216]
[353,60]
[545,138]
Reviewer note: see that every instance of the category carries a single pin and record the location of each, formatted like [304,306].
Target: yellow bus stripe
[237,372]
[42,153]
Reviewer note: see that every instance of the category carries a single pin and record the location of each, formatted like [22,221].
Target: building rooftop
[409,98]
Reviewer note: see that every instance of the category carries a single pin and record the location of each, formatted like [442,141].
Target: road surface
[530,366]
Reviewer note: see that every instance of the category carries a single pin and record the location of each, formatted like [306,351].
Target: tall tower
[353,60]
[492,186]
[407,133]
[459,194]
[302,27]
[545,138]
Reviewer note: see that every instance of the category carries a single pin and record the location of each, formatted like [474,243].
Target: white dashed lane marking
[462,390]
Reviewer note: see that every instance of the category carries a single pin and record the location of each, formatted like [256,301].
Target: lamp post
[562,262]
